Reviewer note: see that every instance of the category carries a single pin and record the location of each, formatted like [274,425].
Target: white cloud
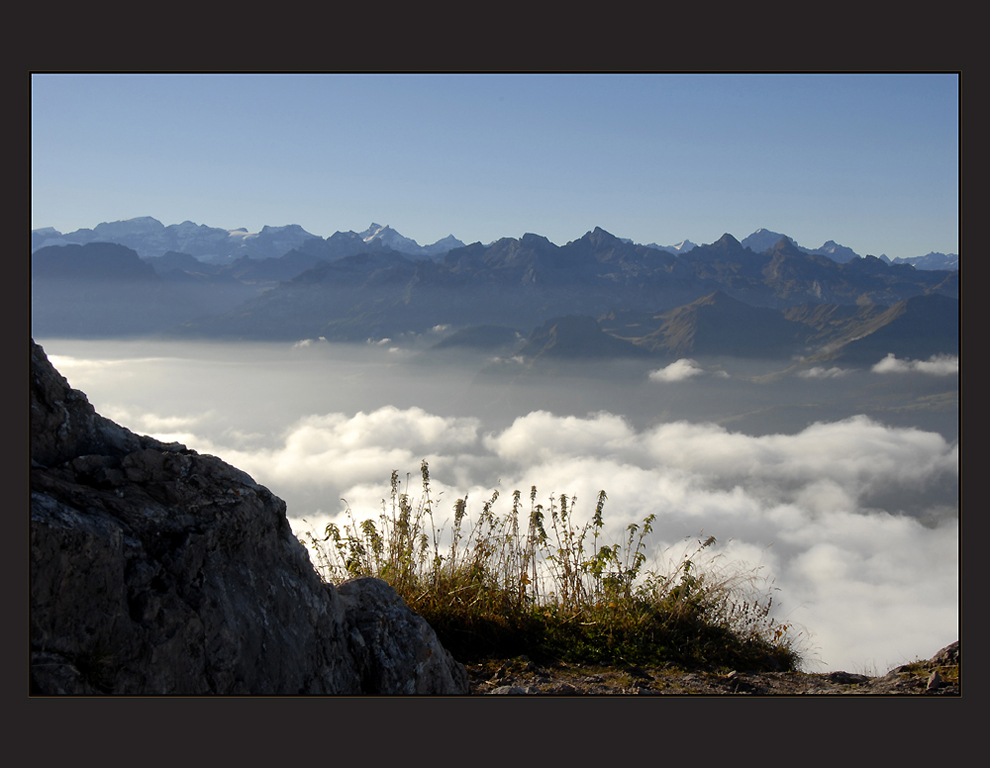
[152,423]
[823,373]
[680,370]
[309,342]
[540,436]
[936,365]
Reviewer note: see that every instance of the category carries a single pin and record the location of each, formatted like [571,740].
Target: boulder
[157,570]
[398,651]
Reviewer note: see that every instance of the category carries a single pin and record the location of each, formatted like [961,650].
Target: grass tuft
[534,582]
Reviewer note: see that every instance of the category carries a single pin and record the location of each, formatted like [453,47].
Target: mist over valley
[840,481]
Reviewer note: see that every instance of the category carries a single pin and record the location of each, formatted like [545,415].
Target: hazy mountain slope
[576,337]
[720,325]
[104,289]
[93,261]
[481,337]
[914,329]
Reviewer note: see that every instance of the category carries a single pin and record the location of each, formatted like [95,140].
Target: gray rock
[399,652]
[157,570]
[846,678]
[513,690]
[947,656]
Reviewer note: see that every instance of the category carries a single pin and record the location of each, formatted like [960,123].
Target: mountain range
[150,239]
[598,295]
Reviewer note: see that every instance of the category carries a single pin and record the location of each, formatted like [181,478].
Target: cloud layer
[871,584]
[937,365]
[854,520]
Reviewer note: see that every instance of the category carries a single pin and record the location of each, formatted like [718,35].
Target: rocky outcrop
[157,570]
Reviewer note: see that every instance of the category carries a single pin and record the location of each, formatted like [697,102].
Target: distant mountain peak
[599,237]
[727,241]
[375,230]
[763,240]
[835,252]
[786,246]
[679,249]
[532,239]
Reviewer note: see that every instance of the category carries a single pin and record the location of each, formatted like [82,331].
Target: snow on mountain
[764,239]
[440,247]
[150,238]
[836,252]
[397,242]
[142,225]
[391,238]
[682,247]
[931,260]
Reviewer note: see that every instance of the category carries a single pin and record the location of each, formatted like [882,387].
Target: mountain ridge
[150,238]
[519,283]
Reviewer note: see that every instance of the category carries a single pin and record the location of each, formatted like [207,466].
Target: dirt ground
[938,676]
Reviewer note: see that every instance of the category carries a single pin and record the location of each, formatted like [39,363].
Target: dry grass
[533,581]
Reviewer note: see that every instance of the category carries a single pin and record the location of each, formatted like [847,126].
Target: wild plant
[489,588]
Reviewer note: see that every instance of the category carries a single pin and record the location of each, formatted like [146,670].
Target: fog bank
[842,485]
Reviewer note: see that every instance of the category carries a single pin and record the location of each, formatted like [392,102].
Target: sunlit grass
[532,581]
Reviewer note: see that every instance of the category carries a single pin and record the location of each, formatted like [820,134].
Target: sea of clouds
[853,521]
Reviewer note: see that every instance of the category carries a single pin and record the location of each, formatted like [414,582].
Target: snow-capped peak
[372,232]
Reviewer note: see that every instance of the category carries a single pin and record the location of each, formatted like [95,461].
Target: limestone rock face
[155,569]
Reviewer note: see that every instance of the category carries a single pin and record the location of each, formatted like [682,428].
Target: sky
[869,161]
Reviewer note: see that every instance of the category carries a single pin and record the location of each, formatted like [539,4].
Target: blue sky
[870,161]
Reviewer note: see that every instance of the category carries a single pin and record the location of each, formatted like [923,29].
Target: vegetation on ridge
[550,589]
